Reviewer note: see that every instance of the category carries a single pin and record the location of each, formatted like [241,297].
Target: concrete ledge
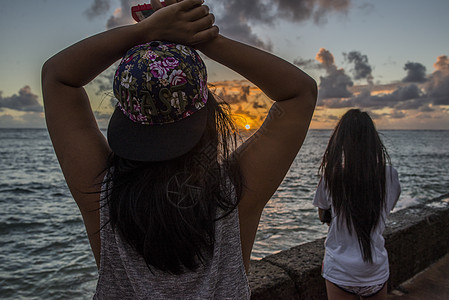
[415,238]
[268,281]
[303,264]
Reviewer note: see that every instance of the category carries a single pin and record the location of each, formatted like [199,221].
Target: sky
[386,57]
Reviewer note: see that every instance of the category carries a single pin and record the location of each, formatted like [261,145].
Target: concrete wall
[415,238]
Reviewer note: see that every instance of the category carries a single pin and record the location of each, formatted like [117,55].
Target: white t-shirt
[343,261]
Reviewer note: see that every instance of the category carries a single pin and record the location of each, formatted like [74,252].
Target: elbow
[309,93]
[46,75]
[314,90]
[46,71]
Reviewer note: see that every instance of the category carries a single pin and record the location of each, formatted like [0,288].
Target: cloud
[397,114]
[426,109]
[326,59]
[103,83]
[24,120]
[438,84]
[257,105]
[122,16]
[421,93]
[98,7]
[335,84]
[362,69]
[404,97]
[236,18]
[306,63]
[317,10]
[417,92]
[245,115]
[234,95]
[442,64]
[100,116]
[24,101]
[416,72]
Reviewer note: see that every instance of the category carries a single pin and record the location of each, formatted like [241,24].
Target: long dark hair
[353,167]
[167,210]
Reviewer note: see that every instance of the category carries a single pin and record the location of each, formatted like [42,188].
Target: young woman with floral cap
[179,205]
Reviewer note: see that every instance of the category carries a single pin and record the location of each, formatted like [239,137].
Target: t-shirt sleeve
[321,199]
[393,187]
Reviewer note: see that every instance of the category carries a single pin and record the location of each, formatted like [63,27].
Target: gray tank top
[123,273]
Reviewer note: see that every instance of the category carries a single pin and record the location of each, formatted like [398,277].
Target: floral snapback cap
[161,88]
[160,83]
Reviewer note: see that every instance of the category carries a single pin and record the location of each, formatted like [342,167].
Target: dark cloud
[397,114]
[334,89]
[335,103]
[306,63]
[24,101]
[245,91]
[243,113]
[405,98]
[423,97]
[103,82]
[121,15]
[235,17]
[335,84]
[317,10]
[375,115]
[362,69]
[98,7]
[257,105]
[426,109]
[416,72]
[232,98]
[438,85]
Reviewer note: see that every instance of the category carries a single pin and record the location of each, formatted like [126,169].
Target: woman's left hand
[156,4]
[186,22]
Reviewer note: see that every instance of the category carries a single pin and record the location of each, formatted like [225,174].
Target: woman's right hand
[186,22]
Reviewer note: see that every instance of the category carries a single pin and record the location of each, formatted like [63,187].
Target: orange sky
[249,106]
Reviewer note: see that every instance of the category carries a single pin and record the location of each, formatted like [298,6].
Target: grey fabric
[123,273]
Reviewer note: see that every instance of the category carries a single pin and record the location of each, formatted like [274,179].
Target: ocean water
[44,251]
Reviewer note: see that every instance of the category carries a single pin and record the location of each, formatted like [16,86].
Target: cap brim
[141,142]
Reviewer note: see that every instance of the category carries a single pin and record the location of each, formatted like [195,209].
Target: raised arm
[81,148]
[266,157]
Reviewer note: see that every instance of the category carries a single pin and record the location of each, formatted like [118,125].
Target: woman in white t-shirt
[355,195]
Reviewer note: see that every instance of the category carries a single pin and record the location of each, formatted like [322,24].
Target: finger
[205,35]
[170,2]
[156,4]
[198,13]
[189,4]
[204,23]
